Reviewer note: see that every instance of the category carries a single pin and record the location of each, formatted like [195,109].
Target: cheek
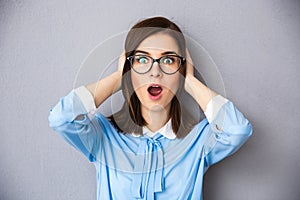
[138,83]
[172,84]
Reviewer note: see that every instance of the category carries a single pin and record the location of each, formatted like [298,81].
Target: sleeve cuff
[86,98]
[213,107]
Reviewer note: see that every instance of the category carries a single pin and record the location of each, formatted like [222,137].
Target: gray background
[254,43]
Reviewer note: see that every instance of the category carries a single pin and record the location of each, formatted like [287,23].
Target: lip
[158,96]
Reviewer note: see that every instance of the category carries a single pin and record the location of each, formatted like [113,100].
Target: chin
[156,106]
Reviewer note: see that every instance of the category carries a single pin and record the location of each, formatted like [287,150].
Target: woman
[152,148]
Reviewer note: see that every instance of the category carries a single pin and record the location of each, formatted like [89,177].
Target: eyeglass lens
[168,64]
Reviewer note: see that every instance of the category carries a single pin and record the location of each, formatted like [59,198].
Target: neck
[156,118]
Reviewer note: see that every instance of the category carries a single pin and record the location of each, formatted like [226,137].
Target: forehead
[159,42]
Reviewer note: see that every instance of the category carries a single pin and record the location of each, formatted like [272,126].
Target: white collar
[166,131]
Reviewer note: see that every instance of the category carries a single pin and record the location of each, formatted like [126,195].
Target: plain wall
[255,45]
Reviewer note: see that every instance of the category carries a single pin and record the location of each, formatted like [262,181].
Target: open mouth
[155,90]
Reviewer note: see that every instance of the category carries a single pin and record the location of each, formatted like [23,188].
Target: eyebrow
[164,53]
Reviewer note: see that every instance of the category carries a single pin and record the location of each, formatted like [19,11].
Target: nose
[155,70]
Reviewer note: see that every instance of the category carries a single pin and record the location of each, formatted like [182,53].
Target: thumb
[121,61]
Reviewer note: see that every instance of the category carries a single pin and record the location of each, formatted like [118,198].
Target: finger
[121,62]
[188,56]
[123,53]
[122,56]
[190,66]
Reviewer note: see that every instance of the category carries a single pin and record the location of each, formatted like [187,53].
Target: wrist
[188,82]
[117,76]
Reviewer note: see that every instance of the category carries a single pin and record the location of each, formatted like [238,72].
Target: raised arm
[73,117]
[228,128]
[196,88]
[104,88]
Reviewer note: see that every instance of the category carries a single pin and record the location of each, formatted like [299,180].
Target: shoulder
[110,129]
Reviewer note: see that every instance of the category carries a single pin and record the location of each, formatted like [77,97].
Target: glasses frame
[153,60]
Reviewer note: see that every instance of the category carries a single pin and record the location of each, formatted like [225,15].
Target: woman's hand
[194,87]
[105,87]
[189,69]
[189,64]
[121,63]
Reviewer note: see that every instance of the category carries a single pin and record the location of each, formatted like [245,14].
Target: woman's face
[156,89]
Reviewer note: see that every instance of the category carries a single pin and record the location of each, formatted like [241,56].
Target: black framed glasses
[168,64]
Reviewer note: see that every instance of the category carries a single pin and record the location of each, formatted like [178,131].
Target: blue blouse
[149,167]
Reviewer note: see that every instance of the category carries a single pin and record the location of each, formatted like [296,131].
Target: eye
[142,59]
[167,60]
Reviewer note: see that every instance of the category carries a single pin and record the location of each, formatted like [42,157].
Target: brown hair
[182,120]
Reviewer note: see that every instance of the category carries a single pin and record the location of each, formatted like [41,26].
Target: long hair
[129,119]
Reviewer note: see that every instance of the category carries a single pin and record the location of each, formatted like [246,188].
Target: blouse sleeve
[228,130]
[72,117]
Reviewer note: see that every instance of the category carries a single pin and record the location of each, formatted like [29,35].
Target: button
[218,128]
